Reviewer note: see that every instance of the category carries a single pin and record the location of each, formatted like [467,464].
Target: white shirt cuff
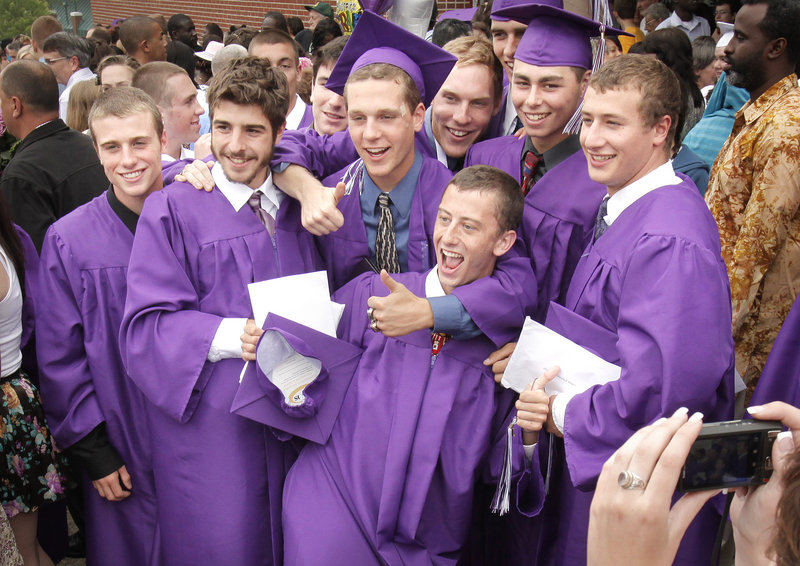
[559,410]
[227,342]
[528,452]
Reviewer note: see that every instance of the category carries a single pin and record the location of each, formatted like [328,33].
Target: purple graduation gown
[559,214]
[495,128]
[219,477]
[656,280]
[394,483]
[495,304]
[82,295]
[780,380]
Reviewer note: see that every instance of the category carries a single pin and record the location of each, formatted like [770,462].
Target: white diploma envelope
[540,348]
[304,298]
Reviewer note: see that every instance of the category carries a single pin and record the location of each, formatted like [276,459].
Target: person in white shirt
[68,56]
[684,18]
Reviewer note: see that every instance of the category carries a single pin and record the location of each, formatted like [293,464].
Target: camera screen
[722,461]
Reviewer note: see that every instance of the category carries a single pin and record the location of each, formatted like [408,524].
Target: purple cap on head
[427,64]
[502,4]
[555,37]
[463,15]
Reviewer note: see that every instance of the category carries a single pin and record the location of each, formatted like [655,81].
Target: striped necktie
[266,219]
[385,245]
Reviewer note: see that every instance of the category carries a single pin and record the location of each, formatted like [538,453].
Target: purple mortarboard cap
[315,407]
[555,37]
[502,4]
[463,15]
[377,6]
[427,64]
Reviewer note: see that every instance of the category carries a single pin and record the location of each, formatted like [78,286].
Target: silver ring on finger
[629,480]
[370,313]
[374,325]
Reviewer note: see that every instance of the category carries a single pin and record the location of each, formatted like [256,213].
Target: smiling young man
[551,68]
[391,191]
[176,97]
[327,106]
[192,259]
[650,294]
[93,408]
[278,47]
[394,483]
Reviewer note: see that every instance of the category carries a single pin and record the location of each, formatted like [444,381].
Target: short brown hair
[508,199]
[32,82]
[658,85]
[326,55]
[134,31]
[112,60]
[152,78]
[387,72]
[251,80]
[123,102]
[43,27]
[475,50]
[271,36]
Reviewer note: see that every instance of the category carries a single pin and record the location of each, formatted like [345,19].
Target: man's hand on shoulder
[198,174]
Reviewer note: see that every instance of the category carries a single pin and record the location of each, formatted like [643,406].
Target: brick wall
[222,12]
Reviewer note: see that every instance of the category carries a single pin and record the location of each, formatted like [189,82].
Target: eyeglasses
[51,61]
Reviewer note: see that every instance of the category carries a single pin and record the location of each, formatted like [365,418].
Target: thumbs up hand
[401,312]
[533,407]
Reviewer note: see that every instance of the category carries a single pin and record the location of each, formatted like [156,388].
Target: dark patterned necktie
[264,216]
[600,225]
[528,169]
[385,246]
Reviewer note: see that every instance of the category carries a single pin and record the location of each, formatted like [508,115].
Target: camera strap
[721,529]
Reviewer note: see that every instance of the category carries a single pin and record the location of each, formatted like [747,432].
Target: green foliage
[18,15]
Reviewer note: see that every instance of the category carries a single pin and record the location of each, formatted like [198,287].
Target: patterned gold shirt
[754,195]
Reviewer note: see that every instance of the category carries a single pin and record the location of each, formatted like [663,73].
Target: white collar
[83,74]
[678,22]
[510,116]
[433,287]
[238,194]
[186,153]
[661,176]
[296,115]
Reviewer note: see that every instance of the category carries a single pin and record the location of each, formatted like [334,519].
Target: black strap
[721,530]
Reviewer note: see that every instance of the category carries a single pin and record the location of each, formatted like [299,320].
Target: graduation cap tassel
[598,56]
[502,495]
[601,12]
[352,176]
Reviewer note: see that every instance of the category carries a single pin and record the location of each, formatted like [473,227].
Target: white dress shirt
[227,340]
[84,74]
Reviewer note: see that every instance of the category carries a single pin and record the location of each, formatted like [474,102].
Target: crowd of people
[624,178]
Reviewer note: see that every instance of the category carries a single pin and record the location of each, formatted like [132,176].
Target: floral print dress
[30,475]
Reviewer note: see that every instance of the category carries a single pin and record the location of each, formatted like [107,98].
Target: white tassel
[598,56]
[601,12]
[502,495]
[352,175]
